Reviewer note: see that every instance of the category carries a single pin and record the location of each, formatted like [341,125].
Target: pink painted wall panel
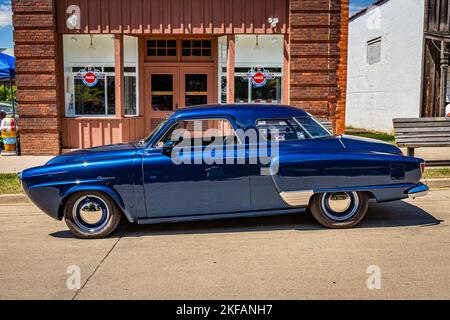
[86,133]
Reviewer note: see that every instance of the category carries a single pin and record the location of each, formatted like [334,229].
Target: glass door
[162,94]
[197,86]
[170,88]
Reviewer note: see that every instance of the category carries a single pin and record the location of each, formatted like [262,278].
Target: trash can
[9,135]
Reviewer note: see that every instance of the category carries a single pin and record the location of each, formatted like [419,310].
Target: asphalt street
[287,257]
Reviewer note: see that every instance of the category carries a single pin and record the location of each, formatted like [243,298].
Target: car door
[193,187]
[282,138]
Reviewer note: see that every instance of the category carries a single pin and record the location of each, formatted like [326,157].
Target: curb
[14,198]
[437,183]
[22,198]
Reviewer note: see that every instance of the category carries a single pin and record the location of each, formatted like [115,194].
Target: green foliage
[378,136]
[8,92]
[9,183]
[436,173]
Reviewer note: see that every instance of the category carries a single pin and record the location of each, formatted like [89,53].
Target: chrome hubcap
[339,202]
[340,206]
[90,213]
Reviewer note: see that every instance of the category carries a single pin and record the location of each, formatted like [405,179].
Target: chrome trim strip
[419,191]
[297,198]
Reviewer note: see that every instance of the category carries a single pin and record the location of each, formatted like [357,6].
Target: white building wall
[389,89]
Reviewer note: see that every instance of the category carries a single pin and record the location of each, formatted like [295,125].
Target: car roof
[243,113]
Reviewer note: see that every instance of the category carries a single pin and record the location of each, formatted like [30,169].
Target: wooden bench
[422,132]
[327,124]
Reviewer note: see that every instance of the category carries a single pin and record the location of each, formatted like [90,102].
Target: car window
[155,131]
[280,130]
[200,132]
[314,129]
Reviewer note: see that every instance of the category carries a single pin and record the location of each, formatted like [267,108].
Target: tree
[7,96]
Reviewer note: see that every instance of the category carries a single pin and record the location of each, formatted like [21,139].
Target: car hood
[97,153]
[368,145]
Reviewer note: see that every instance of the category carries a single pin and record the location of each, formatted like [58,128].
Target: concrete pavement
[288,257]
[431,154]
[14,164]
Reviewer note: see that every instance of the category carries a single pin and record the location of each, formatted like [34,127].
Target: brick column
[342,67]
[36,66]
[318,58]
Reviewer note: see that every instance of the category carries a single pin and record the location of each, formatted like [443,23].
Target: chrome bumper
[418,191]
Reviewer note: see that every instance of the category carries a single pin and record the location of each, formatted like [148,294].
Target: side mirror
[168,147]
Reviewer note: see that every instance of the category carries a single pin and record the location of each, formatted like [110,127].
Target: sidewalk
[14,164]
[431,154]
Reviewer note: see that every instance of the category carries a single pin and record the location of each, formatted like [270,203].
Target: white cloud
[5,15]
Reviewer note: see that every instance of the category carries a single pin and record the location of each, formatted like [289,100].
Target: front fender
[104,189]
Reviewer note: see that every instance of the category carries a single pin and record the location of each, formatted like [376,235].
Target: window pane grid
[161,48]
[196,48]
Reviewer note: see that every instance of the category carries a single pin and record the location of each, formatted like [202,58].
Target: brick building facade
[152,57]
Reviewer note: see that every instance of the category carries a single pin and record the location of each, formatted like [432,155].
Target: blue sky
[5,24]
[6,37]
[357,5]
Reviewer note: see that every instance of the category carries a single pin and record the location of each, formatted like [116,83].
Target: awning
[7,67]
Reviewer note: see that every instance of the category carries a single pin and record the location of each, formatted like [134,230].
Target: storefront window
[247,92]
[270,93]
[130,96]
[111,96]
[241,92]
[101,99]
[253,53]
[90,101]
[98,98]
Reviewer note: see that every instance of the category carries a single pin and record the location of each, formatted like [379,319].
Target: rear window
[280,130]
[314,129]
[291,129]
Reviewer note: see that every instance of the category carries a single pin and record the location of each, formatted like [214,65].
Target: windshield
[311,126]
[155,131]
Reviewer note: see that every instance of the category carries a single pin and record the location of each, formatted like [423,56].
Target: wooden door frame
[178,69]
[147,109]
[197,70]
[147,66]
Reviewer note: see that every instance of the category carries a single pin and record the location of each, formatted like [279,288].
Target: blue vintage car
[213,169]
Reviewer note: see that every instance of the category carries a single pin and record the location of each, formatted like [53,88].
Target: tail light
[422,167]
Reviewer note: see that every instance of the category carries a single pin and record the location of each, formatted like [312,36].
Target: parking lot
[287,257]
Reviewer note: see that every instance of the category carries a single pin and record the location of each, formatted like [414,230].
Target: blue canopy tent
[8,73]
[7,69]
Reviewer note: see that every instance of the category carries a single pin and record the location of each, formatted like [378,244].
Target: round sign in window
[259,79]
[90,76]
[90,79]
[259,76]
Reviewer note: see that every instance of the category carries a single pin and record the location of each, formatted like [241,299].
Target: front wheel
[339,210]
[91,215]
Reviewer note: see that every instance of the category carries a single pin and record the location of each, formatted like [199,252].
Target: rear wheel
[339,210]
[91,215]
